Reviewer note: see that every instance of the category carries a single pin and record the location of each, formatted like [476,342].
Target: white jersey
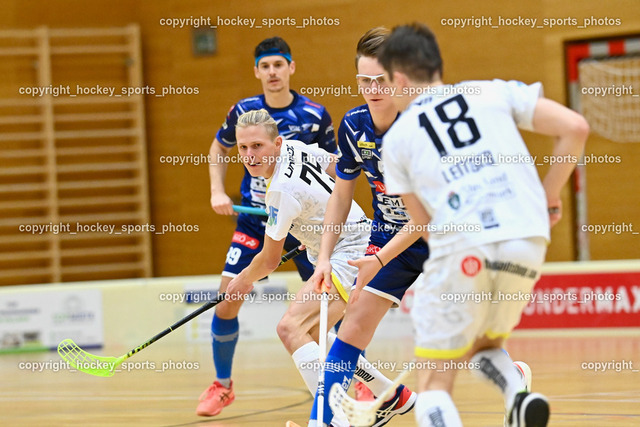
[297,197]
[458,149]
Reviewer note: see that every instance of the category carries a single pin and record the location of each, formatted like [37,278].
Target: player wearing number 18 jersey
[456,157]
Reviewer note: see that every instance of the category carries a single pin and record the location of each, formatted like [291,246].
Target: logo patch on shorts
[471,266]
[380,187]
[245,240]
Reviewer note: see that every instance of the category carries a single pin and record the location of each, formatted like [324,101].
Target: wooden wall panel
[186,124]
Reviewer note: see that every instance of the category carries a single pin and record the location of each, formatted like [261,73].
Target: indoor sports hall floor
[269,390]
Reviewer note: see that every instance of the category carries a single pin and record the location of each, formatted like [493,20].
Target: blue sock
[339,368]
[337,327]
[224,337]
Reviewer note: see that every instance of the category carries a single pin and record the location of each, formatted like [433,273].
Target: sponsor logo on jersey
[295,129]
[273,216]
[488,219]
[291,156]
[347,170]
[366,154]
[470,266]
[245,240]
[366,144]
[454,200]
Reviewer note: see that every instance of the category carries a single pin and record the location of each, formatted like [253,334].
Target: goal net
[610,96]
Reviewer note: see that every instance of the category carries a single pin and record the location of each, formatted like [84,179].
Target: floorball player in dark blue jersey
[298,118]
[359,139]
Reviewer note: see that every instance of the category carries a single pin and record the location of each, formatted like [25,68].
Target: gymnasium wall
[185,124]
[569,296]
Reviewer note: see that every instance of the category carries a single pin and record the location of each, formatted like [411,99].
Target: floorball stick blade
[88,363]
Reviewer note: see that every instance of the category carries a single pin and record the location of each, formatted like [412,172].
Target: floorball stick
[322,338]
[361,413]
[249,210]
[105,366]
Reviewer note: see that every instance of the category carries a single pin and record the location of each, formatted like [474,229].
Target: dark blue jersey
[361,149]
[301,120]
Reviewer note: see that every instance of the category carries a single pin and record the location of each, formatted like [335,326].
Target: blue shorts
[247,242]
[393,280]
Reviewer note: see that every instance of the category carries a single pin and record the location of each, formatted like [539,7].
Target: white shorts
[344,275]
[475,292]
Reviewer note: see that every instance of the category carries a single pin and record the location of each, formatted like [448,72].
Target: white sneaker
[525,373]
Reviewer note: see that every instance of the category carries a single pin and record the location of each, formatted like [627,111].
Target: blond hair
[259,117]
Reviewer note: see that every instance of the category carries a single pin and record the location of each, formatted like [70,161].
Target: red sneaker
[213,399]
[363,394]
[401,403]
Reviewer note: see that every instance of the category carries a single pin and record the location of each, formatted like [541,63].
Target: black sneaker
[529,410]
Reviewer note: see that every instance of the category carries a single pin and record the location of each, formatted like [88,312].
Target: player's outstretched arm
[261,266]
[220,202]
[571,131]
[337,212]
[369,266]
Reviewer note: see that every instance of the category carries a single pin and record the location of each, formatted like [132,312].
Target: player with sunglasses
[359,139]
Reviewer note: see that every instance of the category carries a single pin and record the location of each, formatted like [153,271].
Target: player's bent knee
[286,331]
[228,309]
[290,329]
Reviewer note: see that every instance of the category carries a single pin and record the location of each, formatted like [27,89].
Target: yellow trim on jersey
[339,287]
[493,335]
[366,144]
[429,353]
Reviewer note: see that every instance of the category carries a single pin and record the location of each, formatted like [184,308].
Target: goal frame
[576,51]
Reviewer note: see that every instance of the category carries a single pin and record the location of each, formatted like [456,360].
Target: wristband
[376,255]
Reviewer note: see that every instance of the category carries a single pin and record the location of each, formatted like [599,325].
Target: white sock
[226,382]
[436,409]
[366,373]
[497,367]
[308,355]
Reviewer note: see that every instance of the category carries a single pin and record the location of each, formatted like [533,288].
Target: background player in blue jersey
[298,118]
[360,139]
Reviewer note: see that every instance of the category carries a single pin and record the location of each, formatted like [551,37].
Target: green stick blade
[88,363]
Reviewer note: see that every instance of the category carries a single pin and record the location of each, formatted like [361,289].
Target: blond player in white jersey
[457,159]
[299,184]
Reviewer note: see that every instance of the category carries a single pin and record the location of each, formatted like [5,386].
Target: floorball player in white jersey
[452,156]
[299,184]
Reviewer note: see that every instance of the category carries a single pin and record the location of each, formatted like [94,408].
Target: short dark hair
[273,45]
[413,50]
[371,42]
